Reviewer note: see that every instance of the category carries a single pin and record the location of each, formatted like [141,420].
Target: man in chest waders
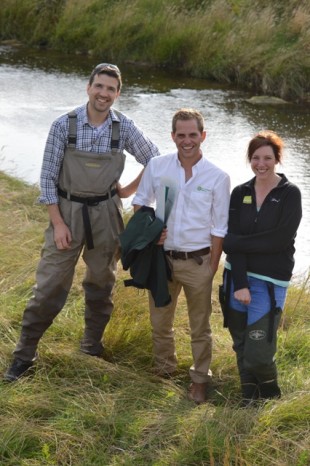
[83,161]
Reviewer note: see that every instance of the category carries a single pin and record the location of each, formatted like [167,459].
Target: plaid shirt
[90,139]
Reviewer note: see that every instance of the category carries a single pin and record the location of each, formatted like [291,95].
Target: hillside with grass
[83,411]
[259,45]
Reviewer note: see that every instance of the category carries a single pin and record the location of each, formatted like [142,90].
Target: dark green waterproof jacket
[146,260]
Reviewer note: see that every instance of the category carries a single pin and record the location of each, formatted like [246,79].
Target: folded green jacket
[145,259]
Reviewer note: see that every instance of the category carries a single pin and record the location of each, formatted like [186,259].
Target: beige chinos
[196,281]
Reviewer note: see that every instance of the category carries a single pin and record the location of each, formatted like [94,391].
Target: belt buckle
[173,254]
[91,203]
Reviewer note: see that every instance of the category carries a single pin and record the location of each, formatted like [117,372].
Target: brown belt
[196,255]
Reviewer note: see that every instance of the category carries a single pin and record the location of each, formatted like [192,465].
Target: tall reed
[254,44]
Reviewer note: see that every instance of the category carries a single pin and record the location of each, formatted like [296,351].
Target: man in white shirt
[192,241]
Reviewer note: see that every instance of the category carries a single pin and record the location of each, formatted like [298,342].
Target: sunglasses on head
[103,66]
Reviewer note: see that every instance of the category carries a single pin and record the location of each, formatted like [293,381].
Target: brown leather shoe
[197,392]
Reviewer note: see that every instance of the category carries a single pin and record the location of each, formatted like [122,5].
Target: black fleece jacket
[262,242]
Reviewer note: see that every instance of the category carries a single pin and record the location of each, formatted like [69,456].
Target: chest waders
[87,181]
[255,345]
[89,178]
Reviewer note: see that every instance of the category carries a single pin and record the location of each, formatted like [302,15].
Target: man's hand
[163,237]
[62,236]
[243,295]
[216,251]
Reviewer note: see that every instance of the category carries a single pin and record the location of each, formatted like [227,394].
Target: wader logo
[92,165]
[257,335]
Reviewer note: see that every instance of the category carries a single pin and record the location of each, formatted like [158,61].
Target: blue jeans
[260,299]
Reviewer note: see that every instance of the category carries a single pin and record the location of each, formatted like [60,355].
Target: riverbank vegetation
[254,44]
[83,411]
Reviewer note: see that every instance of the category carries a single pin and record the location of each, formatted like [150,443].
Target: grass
[258,45]
[83,411]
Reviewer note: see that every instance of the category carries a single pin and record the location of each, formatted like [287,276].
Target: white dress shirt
[201,204]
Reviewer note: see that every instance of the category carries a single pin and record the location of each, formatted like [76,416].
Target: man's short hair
[188,114]
[110,70]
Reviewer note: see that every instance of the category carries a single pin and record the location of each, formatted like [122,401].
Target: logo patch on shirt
[200,188]
[247,200]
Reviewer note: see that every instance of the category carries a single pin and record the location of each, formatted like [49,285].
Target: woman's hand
[243,295]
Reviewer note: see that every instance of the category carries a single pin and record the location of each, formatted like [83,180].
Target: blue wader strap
[274,310]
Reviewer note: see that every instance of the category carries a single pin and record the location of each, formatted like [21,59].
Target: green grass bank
[83,411]
[254,44]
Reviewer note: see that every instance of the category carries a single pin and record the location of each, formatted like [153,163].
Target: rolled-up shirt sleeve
[138,144]
[220,206]
[145,194]
[52,161]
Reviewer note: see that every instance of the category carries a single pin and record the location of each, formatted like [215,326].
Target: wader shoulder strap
[115,133]
[72,131]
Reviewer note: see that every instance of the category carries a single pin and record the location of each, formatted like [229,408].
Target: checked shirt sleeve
[52,160]
[139,145]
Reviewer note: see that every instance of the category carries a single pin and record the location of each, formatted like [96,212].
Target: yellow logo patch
[247,200]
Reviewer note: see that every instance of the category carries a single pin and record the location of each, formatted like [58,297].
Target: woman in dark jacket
[264,216]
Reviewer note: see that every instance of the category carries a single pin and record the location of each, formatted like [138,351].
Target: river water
[37,86]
